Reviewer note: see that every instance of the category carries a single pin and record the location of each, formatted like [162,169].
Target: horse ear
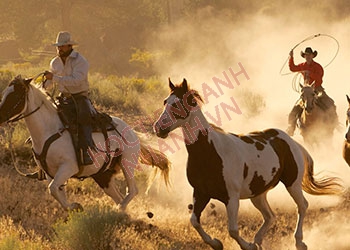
[171,85]
[27,81]
[348,98]
[184,85]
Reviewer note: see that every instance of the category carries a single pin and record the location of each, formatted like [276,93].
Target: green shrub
[92,229]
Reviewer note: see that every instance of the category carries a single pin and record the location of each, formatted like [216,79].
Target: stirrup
[85,158]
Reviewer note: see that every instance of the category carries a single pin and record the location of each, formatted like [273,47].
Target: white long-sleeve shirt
[71,77]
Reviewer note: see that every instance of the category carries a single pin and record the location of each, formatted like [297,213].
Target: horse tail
[153,157]
[319,186]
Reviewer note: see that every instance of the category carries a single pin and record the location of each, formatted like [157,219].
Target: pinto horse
[316,124]
[346,146]
[229,167]
[22,99]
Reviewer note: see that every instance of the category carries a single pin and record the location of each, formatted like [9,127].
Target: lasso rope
[9,133]
[295,82]
[296,78]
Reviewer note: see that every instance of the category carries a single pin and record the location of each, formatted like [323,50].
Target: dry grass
[31,219]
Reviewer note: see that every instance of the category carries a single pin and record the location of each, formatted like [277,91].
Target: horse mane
[217,129]
[40,92]
[181,90]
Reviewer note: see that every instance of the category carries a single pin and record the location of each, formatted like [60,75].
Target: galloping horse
[315,123]
[346,147]
[122,149]
[229,167]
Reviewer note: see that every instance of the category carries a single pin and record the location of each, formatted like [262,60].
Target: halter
[304,103]
[21,116]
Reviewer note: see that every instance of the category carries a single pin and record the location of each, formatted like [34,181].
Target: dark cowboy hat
[308,51]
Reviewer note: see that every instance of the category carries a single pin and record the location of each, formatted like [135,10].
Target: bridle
[21,115]
[304,100]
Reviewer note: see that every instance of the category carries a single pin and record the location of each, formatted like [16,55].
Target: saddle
[324,101]
[100,122]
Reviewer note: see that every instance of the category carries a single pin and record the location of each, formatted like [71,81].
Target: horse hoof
[217,245]
[76,207]
[254,246]
[301,246]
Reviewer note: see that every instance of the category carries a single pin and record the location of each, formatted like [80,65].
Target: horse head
[347,122]
[14,98]
[308,96]
[178,107]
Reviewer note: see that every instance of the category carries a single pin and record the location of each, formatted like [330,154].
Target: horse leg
[106,181]
[199,203]
[260,202]
[56,187]
[297,194]
[232,214]
[128,171]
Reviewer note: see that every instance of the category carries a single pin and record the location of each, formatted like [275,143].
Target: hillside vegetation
[133,47]
[31,219]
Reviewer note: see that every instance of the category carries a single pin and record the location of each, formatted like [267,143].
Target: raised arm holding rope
[312,73]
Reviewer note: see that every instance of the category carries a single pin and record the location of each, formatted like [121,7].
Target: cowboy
[69,70]
[312,73]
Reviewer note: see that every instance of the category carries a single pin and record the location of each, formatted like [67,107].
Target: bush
[15,237]
[92,229]
[127,94]
[252,103]
[5,77]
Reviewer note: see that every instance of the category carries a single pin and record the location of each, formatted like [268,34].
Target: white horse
[230,167]
[123,149]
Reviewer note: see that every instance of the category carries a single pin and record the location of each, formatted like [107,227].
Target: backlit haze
[210,42]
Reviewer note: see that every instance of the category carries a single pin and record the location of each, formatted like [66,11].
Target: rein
[13,157]
[21,116]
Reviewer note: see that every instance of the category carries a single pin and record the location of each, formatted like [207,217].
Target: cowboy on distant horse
[69,70]
[312,73]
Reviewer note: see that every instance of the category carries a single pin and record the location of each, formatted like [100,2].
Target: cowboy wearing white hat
[69,70]
[64,38]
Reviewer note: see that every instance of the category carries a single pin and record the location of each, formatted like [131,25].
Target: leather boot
[86,159]
[85,141]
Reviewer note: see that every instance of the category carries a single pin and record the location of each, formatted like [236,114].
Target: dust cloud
[209,42]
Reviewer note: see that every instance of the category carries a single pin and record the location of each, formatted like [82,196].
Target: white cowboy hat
[64,38]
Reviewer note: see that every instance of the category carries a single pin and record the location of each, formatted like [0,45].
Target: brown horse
[317,122]
[346,147]
[229,167]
